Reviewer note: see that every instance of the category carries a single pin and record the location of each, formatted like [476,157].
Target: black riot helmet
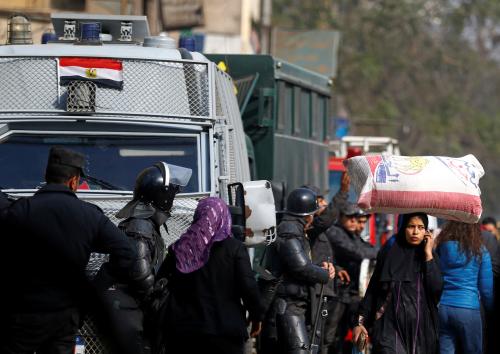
[157,186]
[301,202]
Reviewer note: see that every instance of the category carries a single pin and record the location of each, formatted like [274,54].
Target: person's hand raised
[344,182]
[429,245]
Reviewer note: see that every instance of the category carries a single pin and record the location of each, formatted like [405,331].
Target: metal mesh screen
[28,84]
[149,87]
[218,100]
[236,153]
[182,215]
[93,343]
[231,157]
[81,96]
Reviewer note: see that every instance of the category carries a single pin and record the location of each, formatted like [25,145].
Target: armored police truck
[103,86]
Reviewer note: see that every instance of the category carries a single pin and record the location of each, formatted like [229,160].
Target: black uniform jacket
[47,240]
[292,260]
[145,235]
[212,300]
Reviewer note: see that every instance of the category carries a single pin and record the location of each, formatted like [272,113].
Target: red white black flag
[105,72]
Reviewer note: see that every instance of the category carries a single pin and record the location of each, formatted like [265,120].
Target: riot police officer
[321,250]
[292,262]
[47,240]
[154,193]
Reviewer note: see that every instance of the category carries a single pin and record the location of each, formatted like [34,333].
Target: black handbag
[268,287]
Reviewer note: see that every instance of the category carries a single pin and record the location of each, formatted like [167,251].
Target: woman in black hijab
[400,305]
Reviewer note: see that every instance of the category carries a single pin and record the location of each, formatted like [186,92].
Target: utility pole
[137,7]
[153,14]
[124,7]
[266,10]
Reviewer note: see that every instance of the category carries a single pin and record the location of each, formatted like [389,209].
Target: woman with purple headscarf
[211,286]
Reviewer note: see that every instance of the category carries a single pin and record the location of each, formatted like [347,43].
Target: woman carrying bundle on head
[400,305]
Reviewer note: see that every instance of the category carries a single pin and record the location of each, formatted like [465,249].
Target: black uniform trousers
[126,321]
[43,333]
[204,343]
[331,343]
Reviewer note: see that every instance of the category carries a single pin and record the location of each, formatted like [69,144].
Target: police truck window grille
[228,89]
[236,148]
[218,99]
[149,87]
[93,343]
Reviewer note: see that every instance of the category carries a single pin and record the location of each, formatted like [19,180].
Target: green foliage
[427,69]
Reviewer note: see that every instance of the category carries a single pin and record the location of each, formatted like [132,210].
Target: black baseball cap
[59,156]
[363,213]
[349,209]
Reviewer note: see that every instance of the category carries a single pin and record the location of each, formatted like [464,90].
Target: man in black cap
[349,251]
[362,219]
[47,240]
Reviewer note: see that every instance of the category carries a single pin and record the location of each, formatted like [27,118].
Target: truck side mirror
[236,206]
[253,212]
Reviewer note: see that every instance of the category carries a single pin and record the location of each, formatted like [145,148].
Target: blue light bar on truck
[90,32]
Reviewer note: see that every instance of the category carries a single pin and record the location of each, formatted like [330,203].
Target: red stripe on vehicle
[91,63]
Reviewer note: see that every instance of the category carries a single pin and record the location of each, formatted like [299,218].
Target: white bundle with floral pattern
[445,187]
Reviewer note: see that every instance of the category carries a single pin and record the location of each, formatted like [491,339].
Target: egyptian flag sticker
[104,72]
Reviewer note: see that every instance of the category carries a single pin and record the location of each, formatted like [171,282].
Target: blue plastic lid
[48,36]
[187,43]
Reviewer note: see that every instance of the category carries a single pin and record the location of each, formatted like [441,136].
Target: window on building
[74,5]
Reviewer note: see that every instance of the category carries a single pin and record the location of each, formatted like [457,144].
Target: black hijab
[403,260]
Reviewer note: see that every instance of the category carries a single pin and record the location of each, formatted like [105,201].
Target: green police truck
[285,113]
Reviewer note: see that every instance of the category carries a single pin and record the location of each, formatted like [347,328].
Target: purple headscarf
[211,223]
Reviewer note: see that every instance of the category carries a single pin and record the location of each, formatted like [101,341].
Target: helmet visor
[176,175]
